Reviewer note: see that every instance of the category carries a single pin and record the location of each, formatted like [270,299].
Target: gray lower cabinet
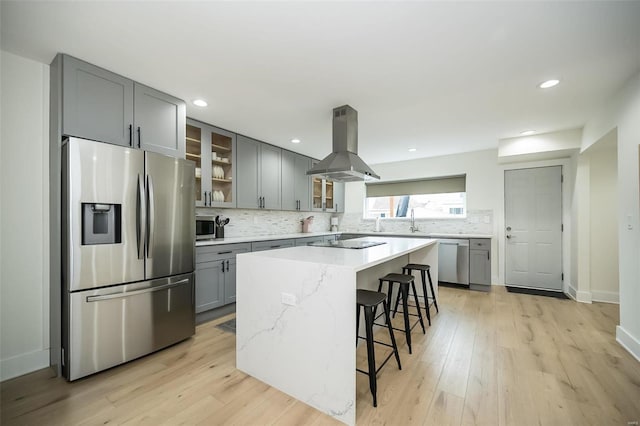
[216,275]
[296,185]
[480,261]
[308,240]
[258,182]
[272,244]
[305,241]
[103,106]
[209,286]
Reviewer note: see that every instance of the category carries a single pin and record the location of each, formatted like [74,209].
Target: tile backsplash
[476,222]
[247,223]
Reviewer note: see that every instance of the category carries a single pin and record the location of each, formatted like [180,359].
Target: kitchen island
[296,315]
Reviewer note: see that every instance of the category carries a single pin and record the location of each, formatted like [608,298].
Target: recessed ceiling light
[527,132]
[549,83]
[412,149]
[200,103]
[295,140]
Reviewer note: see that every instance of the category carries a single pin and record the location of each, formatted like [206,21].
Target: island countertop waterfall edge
[295,315]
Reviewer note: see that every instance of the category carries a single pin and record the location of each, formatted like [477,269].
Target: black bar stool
[408,269]
[369,300]
[404,282]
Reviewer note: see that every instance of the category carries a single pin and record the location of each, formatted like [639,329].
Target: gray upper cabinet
[258,182]
[338,195]
[97,104]
[160,121]
[296,185]
[270,178]
[103,106]
[248,151]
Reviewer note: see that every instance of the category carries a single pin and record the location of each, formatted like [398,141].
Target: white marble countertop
[421,234]
[357,259]
[233,240]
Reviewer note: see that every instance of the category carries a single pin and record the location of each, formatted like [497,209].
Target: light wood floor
[488,359]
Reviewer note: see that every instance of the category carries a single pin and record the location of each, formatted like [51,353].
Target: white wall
[24,230]
[623,113]
[603,200]
[485,192]
[540,147]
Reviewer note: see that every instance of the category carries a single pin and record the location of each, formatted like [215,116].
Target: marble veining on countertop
[249,239]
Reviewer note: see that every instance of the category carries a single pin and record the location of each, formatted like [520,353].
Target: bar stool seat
[369,300]
[404,281]
[408,269]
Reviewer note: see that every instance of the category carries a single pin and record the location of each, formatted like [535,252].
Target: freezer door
[114,325]
[102,209]
[171,217]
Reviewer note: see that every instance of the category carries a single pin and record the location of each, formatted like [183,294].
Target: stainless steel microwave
[205,228]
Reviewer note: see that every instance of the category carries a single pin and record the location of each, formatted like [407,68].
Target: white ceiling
[443,77]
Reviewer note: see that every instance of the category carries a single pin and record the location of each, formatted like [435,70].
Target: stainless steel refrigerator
[128,254]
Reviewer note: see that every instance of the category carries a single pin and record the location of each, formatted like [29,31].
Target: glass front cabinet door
[328,196]
[214,152]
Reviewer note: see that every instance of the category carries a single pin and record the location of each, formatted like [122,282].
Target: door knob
[508,228]
[508,236]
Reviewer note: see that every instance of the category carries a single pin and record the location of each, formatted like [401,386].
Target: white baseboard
[579,296]
[571,292]
[584,297]
[605,296]
[23,364]
[627,341]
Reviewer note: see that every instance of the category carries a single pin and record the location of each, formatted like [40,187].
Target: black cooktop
[348,244]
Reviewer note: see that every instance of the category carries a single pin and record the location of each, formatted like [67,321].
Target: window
[443,197]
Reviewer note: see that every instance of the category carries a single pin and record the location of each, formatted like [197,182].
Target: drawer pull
[225,252]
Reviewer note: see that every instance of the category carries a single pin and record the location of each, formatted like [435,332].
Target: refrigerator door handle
[133,293]
[141,218]
[152,216]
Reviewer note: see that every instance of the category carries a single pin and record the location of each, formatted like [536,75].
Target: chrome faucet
[413,227]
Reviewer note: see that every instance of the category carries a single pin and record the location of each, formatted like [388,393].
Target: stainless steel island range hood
[343,164]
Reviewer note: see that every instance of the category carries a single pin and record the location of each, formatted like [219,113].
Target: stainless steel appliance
[205,228]
[453,261]
[344,164]
[128,254]
[347,244]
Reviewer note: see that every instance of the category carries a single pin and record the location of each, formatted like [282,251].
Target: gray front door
[533,221]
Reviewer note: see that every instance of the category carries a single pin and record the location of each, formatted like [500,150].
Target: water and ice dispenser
[101,223]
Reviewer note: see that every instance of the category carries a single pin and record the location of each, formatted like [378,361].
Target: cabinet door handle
[139,136]
[227,265]
[131,135]
[223,266]
[210,198]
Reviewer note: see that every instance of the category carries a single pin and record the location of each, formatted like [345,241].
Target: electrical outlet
[289,299]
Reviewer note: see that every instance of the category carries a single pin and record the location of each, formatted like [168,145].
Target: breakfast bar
[296,314]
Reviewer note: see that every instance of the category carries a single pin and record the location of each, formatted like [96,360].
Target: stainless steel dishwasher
[453,261]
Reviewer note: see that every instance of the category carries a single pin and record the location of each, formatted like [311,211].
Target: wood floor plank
[493,358]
